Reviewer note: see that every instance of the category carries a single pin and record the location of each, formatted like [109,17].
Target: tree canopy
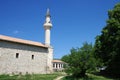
[107,45]
[80,60]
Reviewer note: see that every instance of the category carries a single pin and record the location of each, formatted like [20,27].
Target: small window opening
[17,55]
[53,65]
[56,65]
[59,65]
[32,56]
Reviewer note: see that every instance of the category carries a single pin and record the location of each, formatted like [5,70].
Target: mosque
[18,56]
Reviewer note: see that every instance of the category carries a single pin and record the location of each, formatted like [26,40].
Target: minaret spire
[48,12]
[47,27]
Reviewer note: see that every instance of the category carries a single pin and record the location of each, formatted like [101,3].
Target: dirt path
[59,78]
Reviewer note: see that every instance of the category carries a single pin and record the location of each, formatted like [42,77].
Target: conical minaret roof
[48,12]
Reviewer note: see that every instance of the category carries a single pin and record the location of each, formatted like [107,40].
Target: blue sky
[74,21]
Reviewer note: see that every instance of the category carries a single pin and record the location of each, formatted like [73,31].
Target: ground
[54,76]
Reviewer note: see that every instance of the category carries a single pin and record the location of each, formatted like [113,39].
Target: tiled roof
[21,41]
[58,61]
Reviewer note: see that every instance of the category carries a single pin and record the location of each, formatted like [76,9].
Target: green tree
[107,45]
[65,58]
[80,60]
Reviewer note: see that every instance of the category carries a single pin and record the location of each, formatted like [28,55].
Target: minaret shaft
[47,36]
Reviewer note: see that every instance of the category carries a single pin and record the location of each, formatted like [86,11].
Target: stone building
[58,65]
[18,56]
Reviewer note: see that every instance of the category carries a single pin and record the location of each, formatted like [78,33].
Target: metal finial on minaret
[47,27]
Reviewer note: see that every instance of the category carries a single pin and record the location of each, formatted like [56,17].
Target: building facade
[58,65]
[18,56]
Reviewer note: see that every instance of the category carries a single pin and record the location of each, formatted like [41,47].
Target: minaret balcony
[47,25]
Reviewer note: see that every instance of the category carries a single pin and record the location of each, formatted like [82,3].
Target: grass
[88,77]
[50,77]
[30,77]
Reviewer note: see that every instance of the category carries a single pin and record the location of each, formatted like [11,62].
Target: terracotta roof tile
[59,61]
[17,40]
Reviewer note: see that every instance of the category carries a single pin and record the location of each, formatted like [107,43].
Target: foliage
[65,58]
[107,45]
[88,77]
[80,60]
[29,77]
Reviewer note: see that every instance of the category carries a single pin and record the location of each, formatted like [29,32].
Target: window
[32,56]
[56,65]
[17,55]
[53,65]
[59,65]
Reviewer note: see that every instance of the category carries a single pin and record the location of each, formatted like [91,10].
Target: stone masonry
[16,58]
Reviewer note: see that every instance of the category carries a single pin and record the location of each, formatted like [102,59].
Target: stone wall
[49,60]
[18,58]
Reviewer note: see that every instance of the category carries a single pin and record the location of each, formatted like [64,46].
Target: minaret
[47,27]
